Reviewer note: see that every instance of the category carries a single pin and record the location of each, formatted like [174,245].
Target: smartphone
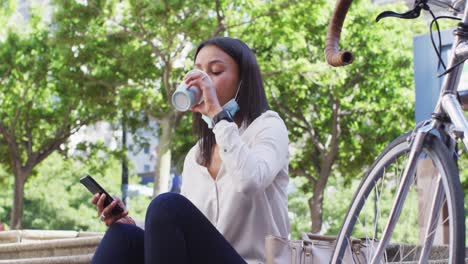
[94,188]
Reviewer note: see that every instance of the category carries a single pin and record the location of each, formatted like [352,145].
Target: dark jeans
[176,232]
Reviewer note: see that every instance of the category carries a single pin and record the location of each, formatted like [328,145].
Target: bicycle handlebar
[336,57]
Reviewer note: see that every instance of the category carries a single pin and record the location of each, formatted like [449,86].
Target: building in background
[141,146]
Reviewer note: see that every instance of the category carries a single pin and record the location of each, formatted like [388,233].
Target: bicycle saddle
[414,13]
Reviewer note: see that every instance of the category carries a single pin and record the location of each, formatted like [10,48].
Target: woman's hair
[251,98]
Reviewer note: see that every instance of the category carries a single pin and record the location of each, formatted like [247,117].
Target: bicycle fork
[403,191]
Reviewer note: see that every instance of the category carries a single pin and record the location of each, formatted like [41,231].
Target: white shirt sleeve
[253,167]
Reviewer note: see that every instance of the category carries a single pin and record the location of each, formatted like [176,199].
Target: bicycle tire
[443,162]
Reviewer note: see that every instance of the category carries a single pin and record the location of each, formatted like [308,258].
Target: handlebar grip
[334,56]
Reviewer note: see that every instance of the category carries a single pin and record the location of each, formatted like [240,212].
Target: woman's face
[222,69]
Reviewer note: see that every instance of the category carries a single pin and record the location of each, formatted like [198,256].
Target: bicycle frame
[448,102]
[448,120]
[448,105]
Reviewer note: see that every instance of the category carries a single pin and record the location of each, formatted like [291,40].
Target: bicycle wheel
[371,206]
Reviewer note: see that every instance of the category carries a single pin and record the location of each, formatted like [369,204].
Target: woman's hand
[210,105]
[105,214]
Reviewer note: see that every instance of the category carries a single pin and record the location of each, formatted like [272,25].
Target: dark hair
[251,98]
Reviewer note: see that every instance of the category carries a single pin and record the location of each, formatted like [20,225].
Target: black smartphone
[94,188]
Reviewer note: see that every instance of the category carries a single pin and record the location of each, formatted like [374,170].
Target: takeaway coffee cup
[185,98]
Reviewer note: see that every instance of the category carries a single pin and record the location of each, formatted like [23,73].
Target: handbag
[311,249]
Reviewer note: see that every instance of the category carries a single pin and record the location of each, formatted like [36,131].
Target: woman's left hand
[210,105]
[105,213]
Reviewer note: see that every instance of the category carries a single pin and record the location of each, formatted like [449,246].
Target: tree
[53,81]
[168,32]
[106,60]
[56,200]
[98,60]
[338,119]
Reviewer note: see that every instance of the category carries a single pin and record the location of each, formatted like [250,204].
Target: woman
[234,179]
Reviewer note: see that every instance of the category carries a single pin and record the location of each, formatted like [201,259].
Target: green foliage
[463,168]
[55,199]
[6,195]
[338,196]
[57,79]
[338,118]
[299,213]
[375,94]
[115,60]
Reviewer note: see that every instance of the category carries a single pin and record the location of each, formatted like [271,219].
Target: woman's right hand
[105,213]
[210,105]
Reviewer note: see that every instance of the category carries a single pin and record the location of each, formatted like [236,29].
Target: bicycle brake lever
[415,13]
[407,15]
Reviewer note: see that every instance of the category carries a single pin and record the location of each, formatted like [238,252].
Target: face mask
[231,107]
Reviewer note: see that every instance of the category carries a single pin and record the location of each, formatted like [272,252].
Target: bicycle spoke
[411,239]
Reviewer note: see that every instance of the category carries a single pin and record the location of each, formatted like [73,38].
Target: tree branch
[357,78]
[12,145]
[292,119]
[330,157]
[271,73]
[4,76]
[94,80]
[359,112]
[167,81]
[219,18]
[302,172]
[281,7]
[178,117]
[178,52]
[47,149]
[18,109]
[308,127]
[29,136]
[142,37]
[55,143]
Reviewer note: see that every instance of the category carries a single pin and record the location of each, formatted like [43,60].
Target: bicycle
[397,173]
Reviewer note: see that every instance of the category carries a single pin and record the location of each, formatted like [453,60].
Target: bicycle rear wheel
[371,206]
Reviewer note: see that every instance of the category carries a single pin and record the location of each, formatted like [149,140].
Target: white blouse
[248,200]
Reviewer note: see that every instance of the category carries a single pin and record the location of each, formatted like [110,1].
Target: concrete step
[49,248]
[78,259]
[28,235]
[408,254]
[416,262]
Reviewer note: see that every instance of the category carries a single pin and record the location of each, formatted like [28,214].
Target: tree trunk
[18,199]
[163,160]
[327,161]
[316,201]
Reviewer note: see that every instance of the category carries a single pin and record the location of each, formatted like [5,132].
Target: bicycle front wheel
[415,237]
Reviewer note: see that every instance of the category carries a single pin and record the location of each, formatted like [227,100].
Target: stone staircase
[51,247]
[72,247]
[409,254]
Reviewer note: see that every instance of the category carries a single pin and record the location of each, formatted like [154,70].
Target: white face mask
[232,107]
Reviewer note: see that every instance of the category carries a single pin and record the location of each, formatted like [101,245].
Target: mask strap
[238,89]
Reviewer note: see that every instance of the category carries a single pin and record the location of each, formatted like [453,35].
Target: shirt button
[225,150]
